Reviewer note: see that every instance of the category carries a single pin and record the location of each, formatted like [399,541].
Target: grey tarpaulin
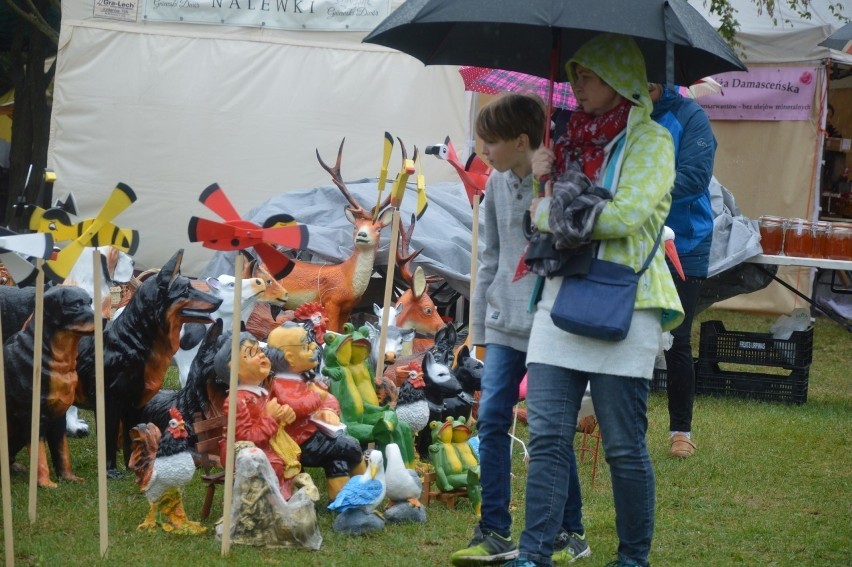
[444,231]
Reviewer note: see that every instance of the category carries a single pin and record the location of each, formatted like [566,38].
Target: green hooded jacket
[630,223]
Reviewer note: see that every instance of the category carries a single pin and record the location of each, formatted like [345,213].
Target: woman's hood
[618,61]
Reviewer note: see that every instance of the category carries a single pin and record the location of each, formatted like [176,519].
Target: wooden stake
[232,408]
[383,331]
[103,519]
[37,322]
[5,478]
[474,264]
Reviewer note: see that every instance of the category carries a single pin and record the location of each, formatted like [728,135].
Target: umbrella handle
[554,64]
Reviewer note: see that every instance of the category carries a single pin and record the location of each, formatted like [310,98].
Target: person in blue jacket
[691,219]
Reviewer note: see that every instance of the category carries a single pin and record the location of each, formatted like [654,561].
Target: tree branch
[35,19]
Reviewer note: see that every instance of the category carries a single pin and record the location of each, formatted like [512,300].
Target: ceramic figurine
[138,347]
[313,316]
[317,427]
[163,465]
[359,497]
[260,418]
[411,404]
[403,488]
[455,462]
[365,420]
[68,316]
[339,287]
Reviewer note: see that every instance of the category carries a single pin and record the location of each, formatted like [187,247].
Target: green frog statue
[456,464]
[346,364]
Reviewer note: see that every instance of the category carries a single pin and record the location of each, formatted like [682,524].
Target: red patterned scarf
[587,135]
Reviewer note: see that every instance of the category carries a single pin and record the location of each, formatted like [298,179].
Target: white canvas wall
[169,109]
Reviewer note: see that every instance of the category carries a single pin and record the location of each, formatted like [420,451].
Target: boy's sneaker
[485,548]
[569,547]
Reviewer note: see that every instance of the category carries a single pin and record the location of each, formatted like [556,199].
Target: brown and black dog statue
[68,317]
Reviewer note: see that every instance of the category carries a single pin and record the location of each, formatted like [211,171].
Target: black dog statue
[138,348]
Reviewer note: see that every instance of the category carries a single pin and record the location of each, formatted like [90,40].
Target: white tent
[774,167]
[170,107]
[785,37]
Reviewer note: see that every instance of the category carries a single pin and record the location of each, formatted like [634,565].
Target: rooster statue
[163,465]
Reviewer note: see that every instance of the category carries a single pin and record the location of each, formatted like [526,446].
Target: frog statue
[346,364]
[456,465]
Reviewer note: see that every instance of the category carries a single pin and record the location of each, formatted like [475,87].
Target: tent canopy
[786,37]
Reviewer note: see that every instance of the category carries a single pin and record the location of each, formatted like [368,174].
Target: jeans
[680,371]
[502,375]
[553,401]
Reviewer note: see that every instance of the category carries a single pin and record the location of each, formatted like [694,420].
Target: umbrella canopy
[535,36]
[494,81]
[841,40]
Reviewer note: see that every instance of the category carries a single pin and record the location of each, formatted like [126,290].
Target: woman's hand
[542,161]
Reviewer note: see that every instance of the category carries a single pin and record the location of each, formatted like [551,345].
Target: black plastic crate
[760,349]
[792,389]
[658,381]
[721,347]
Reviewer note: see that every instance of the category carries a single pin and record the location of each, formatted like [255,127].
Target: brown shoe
[681,446]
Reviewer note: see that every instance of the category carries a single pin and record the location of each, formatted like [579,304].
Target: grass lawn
[771,484]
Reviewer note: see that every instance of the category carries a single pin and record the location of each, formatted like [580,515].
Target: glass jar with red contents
[771,234]
[799,238]
[821,231]
[839,244]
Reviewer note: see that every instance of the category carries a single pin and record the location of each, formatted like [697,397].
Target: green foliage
[772,9]
[769,485]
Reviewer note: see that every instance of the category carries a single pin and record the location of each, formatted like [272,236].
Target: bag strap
[651,255]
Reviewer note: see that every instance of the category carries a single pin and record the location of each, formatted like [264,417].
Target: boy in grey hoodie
[511,129]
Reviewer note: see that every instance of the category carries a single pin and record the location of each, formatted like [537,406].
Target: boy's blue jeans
[504,370]
[553,401]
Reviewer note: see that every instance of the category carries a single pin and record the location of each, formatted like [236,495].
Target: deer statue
[339,287]
[414,308]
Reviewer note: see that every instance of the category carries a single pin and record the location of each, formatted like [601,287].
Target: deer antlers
[354,206]
[404,258]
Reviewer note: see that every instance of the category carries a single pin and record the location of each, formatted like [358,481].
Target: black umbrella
[841,40]
[535,36]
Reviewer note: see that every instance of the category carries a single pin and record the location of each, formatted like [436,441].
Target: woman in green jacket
[617,147]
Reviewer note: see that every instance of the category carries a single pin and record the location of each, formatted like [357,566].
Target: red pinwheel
[237,234]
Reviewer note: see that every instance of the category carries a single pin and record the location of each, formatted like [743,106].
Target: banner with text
[783,93]
[318,15]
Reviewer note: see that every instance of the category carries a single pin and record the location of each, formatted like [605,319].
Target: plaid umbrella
[494,81]
[705,86]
